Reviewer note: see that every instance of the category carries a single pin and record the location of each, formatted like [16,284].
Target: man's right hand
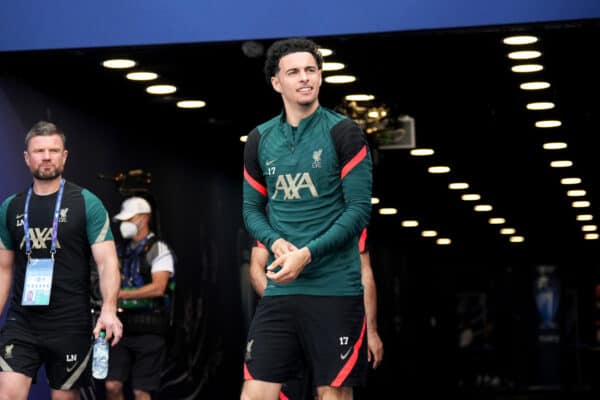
[281,247]
[291,264]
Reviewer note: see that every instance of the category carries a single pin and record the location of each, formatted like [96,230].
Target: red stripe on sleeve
[362,241]
[254,183]
[345,371]
[247,375]
[282,396]
[355,160]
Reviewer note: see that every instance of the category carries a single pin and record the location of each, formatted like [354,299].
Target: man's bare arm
[370,299]
[105,256]
[6,271]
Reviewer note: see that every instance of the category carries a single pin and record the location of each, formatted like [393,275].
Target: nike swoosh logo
[343,356]
[71,369]
[270,162]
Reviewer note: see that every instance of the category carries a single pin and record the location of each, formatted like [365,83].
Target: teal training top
[315,180]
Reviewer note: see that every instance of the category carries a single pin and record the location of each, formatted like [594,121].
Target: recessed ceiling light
[561,163]
[525,68]
[496,221]
[388,211]
[540,105]
[359,97]
[507,231]
[443,241]
[591,236]
[325,52]
[535,85]
[548,123]
[340,78]
[576,193]
[376,113]
[589,228]
[191,104]
[421,152]
[483,208]
[570,181]
[333,66]
[524,55]
[516,239]
[429,233]
[410,223]
[118,63]
[141,76]
[554,146]
[580,204]
[519,39]
[438,169]
[374,200]
[161,89]
[585,217]
[470,197]
[458,186]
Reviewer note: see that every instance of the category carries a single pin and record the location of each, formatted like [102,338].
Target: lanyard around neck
[54,220]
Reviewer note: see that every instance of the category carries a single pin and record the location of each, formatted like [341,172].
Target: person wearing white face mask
[147,271]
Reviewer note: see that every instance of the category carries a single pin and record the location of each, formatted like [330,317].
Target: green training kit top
[310,185]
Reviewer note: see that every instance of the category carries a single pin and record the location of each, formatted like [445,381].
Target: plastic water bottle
[100,357]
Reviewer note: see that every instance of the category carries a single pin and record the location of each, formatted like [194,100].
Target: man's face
[139,220]
[46,157]
[298,79]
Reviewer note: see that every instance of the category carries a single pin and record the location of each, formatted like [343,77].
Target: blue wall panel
[36,24]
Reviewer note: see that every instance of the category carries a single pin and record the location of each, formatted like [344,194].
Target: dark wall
[429,297]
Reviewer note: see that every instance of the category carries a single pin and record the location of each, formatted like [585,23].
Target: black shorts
[325,333]
[66,356]
[139,357]
[298,389]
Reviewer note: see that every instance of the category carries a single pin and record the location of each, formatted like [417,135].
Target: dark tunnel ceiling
[456,84]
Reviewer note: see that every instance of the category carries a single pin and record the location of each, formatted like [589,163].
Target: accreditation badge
[38,282]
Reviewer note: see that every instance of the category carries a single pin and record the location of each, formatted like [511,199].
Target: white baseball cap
[133,206]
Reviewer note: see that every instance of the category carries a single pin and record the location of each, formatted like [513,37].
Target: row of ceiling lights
[163,89]
[374,114]
[590,231]
[147,76]
[467,195]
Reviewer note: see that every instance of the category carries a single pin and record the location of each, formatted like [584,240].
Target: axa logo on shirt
[293,187]
[40,238]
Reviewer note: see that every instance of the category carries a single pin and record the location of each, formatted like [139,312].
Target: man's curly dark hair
[287,46]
